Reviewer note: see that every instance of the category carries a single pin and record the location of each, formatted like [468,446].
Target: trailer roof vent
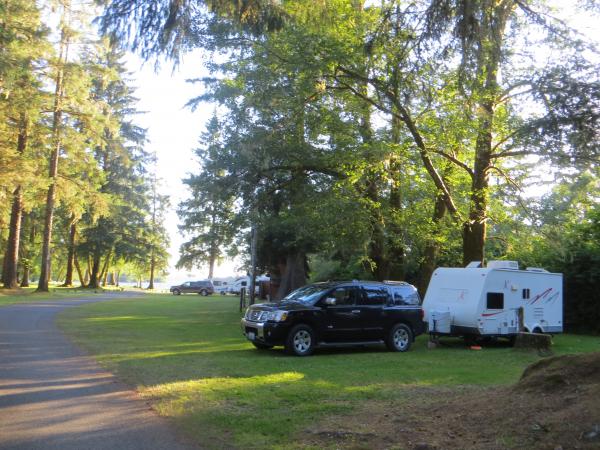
[536,269]
[503,265]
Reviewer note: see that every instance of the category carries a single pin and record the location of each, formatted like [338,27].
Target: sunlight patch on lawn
[178,396]
[121,318]
[201,348]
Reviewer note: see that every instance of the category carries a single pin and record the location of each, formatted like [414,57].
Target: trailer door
[494,313]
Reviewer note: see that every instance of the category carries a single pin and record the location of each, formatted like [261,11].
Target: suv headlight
[277,316]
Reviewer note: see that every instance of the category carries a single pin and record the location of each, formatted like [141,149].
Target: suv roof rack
[395,282]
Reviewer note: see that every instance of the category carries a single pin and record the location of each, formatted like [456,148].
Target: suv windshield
[307,294]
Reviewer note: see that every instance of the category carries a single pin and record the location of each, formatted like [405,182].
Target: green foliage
[563,235]
[76,99]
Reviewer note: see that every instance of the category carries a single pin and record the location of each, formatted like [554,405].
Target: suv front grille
[257,316]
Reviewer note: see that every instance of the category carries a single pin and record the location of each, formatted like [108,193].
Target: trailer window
[495,300]
[526,294]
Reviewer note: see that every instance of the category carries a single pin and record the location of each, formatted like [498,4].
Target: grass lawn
[188,356]
[25,295]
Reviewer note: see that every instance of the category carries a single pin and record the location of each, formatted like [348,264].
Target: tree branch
[506,177]
[455,161]
[511,153]
[404,116]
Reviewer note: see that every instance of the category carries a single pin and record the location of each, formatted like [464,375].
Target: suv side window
[403,295]
[344,296]
[374,295]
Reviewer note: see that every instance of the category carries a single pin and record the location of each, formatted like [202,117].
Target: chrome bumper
[259,326]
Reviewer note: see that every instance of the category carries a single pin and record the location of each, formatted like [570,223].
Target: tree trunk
[294,274]
[82,281]
[475,229]
[71,252]
[493,23]
[53,170]
[25,276]
[395,243]
[152,267]
[11,257]
[104,272]
[27,244]
[88,270]
[377,245]
[117,276]
[211,263]
[94,282]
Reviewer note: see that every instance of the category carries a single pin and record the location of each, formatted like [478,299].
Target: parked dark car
[204,287]
[338,314]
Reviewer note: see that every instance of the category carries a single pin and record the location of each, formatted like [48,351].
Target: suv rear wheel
[400,338]
[300,341]
[203,292]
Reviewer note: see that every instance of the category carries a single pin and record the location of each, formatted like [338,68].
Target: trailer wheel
[400,338]
[537,330]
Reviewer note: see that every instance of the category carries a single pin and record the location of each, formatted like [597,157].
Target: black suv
[338,314]
[204,287]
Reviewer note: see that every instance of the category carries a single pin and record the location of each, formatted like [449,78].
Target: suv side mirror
[330,301]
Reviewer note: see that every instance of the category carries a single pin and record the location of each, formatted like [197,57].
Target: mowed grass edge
[187,355]
[29,295]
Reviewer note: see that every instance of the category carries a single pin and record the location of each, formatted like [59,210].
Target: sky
[174,131]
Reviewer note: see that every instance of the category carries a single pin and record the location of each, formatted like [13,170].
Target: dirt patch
[555,405]
[561,373]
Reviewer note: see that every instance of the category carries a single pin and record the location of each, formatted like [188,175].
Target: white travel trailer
[477,301]
[244,283]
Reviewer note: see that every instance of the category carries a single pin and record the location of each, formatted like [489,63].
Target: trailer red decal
[491,314]
[542,295]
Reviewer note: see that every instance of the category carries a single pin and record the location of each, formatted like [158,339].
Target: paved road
[52,396]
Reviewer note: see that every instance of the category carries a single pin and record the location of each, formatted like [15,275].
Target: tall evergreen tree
[24,44]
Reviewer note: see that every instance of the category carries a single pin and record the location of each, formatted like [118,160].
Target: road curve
[53,396]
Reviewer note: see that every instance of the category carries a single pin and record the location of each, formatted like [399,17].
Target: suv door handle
[355,311]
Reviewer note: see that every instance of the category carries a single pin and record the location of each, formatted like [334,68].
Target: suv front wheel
[400,338]
[176,292]
[300,341]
